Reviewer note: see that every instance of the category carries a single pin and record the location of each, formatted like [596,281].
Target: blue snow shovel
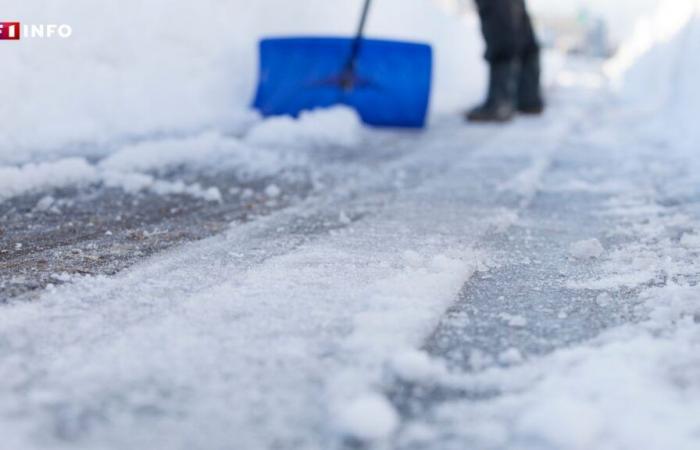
[386,82]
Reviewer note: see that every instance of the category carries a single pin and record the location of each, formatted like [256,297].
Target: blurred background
[134,69]
[590,27]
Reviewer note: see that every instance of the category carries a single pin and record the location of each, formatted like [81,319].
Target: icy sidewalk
[276,333]
[524,361]
[520,378]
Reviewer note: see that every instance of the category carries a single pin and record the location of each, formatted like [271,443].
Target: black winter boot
[500,103]
[529,90]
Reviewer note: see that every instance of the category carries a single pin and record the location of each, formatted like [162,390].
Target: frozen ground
[317,285]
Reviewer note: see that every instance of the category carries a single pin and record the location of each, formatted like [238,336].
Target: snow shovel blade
[390,84]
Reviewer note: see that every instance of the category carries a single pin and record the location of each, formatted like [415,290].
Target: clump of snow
[33,177]
[479,360]
[369,418]
[416,434]
[343,218]
[690,240]
[337,126]
[45,204]
[604,299]
[587,249]
[273,191]
[514,321]
[413,259]
[417,366]
[137,182]
[510,356]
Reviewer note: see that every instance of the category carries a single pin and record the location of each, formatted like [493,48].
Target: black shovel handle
[360,33]
[348,76]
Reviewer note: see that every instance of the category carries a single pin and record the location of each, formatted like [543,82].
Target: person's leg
[502,30]
[530,99]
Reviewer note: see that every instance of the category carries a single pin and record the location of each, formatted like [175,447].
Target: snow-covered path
[586,336]
[273,326]
[302,329]
[280,328]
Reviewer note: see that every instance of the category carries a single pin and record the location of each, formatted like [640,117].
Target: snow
[47,175]
[636,384]
[414,365]
[289,330]
[128,167]
[369,418]
[105,85]
[45,203]
[690,240]
[514,321]
[320,129]
[510,356]
[587,249]
[137,182]
[628,388]
[604,299]
[205,149]
[293,327]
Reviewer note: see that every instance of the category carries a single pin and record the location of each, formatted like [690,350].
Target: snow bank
[128,167]
[642,70]
[135,69]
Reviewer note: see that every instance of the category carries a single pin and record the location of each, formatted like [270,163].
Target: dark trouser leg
[513,55]
[529,87]
[506,29]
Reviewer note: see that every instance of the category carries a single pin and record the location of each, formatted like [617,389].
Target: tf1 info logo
[13,31]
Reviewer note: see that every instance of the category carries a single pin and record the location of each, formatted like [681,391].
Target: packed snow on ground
[635,385]
[284,329]
[296,341]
